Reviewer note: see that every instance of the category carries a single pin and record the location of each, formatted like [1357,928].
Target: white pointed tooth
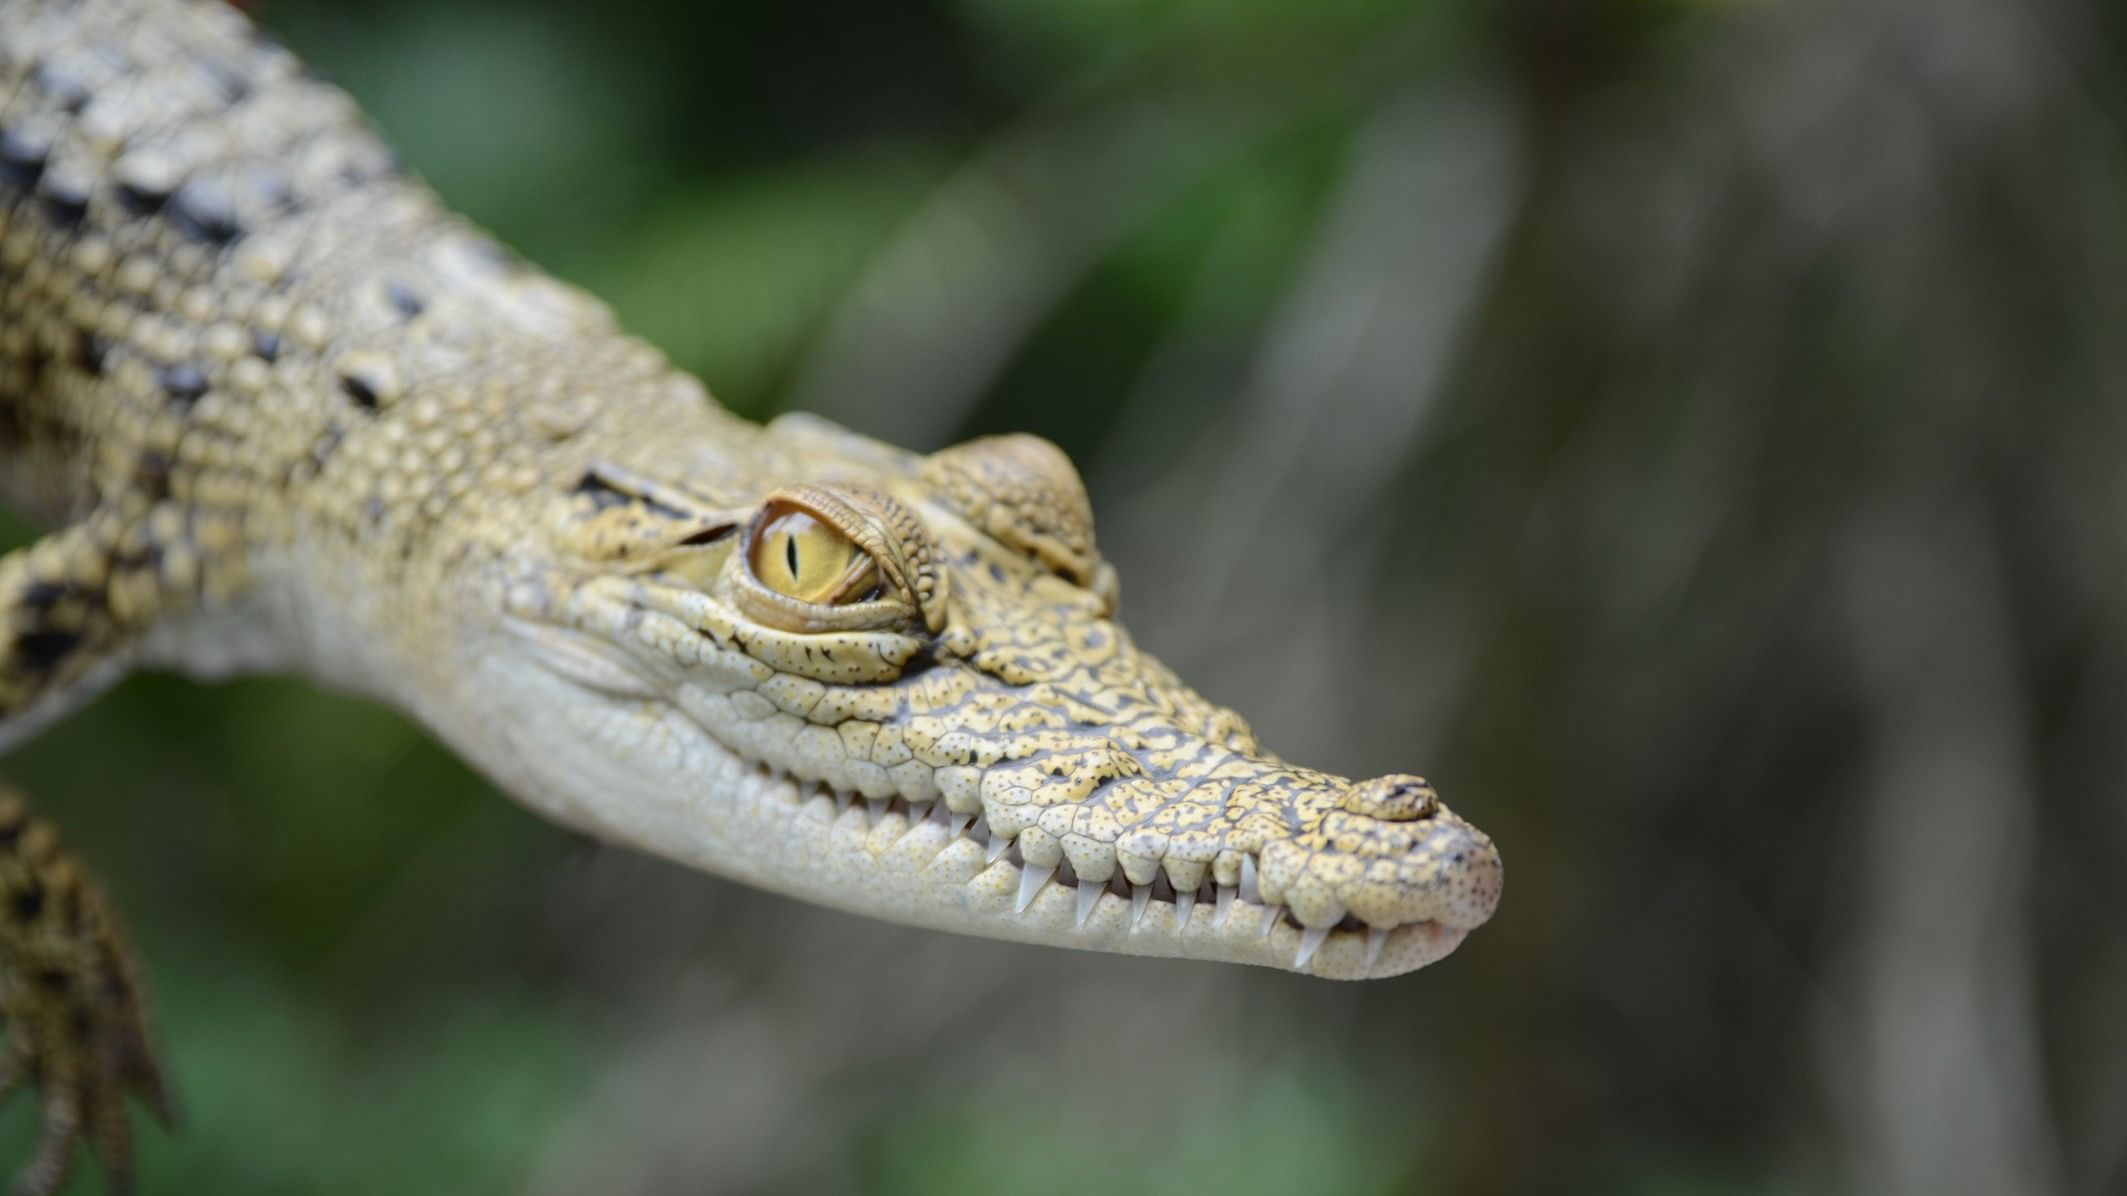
[959,823]
[1088,896]
[1031,880]
[1311,940]
[998,846]
[1249,892]
[843,798]
[1140,897]
[1376,938]
[1270,919]
[876,809]
[1183,903]
[940,813]
[1225,907]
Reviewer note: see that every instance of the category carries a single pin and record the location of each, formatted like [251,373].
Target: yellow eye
[800,557]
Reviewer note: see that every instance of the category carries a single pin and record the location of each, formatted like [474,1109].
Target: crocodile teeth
[877,807]
[1031,880]
[1310,941]
[843,798]
[1140,897]
[1270,920]
[1376,938]
[1249,892]
[1088,897]
[958,823]
[1183,904]
[1225,903]
[998,846]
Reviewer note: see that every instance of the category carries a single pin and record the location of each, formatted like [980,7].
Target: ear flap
[613,516]
[1023,491]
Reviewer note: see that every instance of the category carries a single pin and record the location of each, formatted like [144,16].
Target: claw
[76,1023]
[54,1160]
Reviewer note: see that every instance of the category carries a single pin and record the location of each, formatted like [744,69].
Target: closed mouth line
[1238,905]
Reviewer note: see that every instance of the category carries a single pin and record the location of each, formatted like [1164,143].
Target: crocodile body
[283,411]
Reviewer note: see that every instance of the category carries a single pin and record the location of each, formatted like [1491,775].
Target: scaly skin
[285,412]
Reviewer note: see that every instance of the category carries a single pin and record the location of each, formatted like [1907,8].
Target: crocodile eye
[797,556]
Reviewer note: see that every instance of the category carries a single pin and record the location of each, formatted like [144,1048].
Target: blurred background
[1690,433]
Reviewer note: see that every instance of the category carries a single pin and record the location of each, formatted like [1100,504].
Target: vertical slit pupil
[790,555]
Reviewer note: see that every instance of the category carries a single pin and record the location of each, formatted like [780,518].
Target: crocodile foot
[76,1018]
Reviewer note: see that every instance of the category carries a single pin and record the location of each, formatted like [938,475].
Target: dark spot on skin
[183,382]
[141,199]
[65,202]
[29,902]
[266,345]
[80,1025]
[69,92]
[44,595]
[1096,638]
[52,979]
[89,352]
[404,299]
[43,650]
[235,88]
[373,510]
[360,389]
[202,212]
[152,475]
[21,159]
[996,574]
[605,496]
[602,493]
[148,558]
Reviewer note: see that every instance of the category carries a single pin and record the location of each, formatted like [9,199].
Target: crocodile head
[895,684]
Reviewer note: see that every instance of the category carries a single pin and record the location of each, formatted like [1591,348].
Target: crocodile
[281,410]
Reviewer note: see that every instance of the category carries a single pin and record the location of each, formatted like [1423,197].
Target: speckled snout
[1384,852]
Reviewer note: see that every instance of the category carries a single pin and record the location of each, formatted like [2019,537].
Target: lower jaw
[923,867]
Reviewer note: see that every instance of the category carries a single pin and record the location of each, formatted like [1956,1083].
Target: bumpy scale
[287,413]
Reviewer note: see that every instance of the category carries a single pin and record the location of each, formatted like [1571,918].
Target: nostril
[1398,798]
